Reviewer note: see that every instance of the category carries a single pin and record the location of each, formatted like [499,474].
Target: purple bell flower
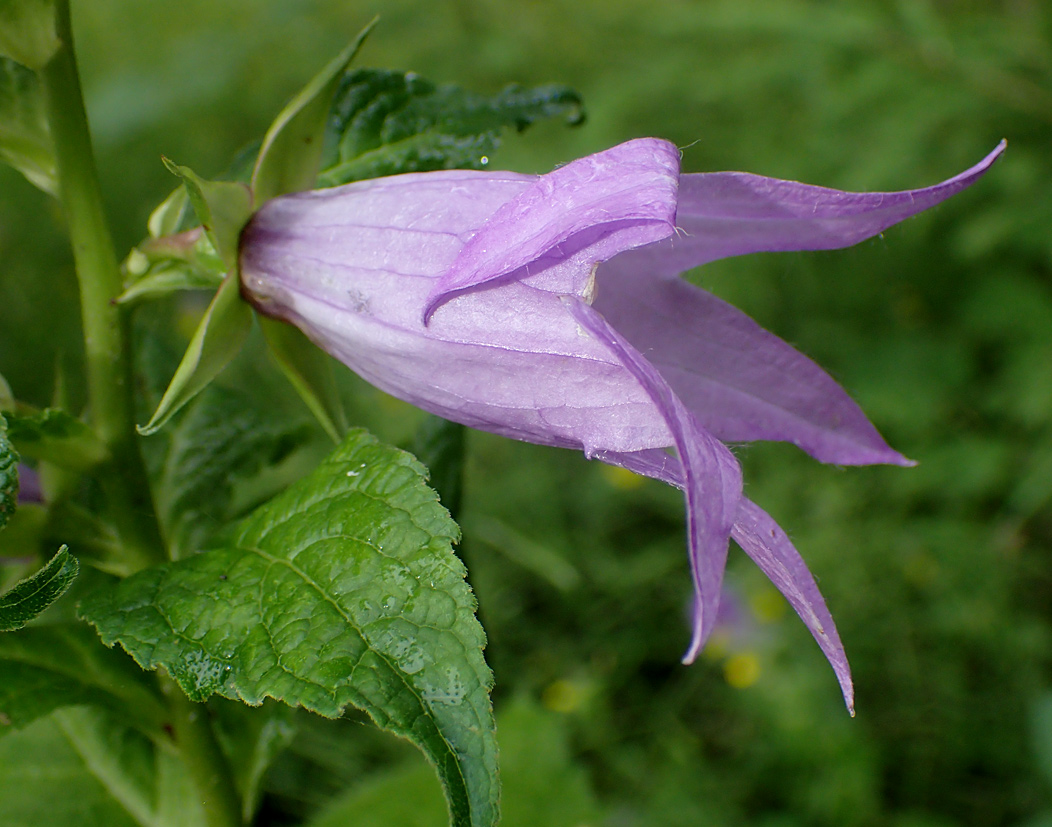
[550,309]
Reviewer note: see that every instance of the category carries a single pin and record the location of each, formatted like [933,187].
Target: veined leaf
[43,668]
[34,594]
[543,785]
[386,122]
[222,444]
[216,341]
[8,475]
[55,436]
[289,158]
[342,590]
[25,140]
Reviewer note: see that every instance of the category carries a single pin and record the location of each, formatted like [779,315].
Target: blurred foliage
[940,577]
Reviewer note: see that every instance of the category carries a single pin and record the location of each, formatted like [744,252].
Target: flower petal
[628,191]
[712,479]
[352,268]
[726,214]
[741,382]
[769,547]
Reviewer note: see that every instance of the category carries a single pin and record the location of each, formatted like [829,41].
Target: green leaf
[439,444]
[149,781]
[542,784]
[55,436]
[214,463]
[8,474]
[252,738]
[222,207]
[45,781]
[216,341]
[386,122]
[309,370]
[27,31]
[34,594]
[25,139]
[342,590]
[43,668]
[291,153]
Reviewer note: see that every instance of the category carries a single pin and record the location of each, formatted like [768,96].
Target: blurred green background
[940,577]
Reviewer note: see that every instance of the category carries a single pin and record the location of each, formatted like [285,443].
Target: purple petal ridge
[723,214]
[712,480]
[632,184]
[764,541]
[741,382]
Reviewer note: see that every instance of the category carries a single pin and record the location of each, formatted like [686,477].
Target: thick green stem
[107,345]
[106,331]
[203,758]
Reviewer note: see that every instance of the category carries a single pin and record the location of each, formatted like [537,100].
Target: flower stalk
[106,328]
[107,348]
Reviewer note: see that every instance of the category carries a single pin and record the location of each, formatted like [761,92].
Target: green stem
[202,756]
[106,329]
[107,347]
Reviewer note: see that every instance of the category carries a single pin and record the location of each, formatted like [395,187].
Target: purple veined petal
[628,191]
[655,463]
[352,268]
[724,214]
[741,382]
[711,475]
[769,547]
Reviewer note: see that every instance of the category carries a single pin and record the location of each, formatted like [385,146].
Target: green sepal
[169,277]
[25,139]
[9,459]
[343,590]
[170,215]
[385,123]
[218,338]
[222,207]
[290,157]
[309,370]
[43,668]
[55,436]
[34,594]
[28,32]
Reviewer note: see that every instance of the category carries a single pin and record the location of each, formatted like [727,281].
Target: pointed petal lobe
[711,475]
[741,382]
[769,547]
[725,214]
